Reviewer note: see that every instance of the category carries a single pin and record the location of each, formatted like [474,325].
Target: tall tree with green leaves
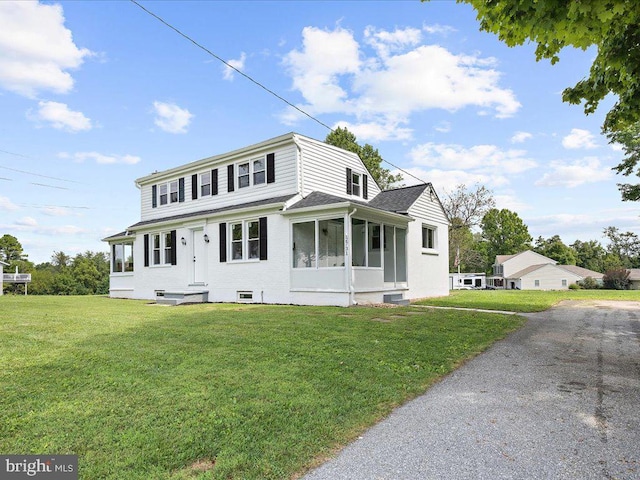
[11,249]
[629,139]
[505,233]
[343,138]
[555,249]
[590,255]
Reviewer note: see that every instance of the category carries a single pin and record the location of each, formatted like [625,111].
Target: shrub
[574,286]
[589,283]
[616,279]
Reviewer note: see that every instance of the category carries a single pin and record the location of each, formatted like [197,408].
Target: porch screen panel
[401,255]
[389,242]
[331,243]
[359,242]
[373,245]
[118,257]
[304,245]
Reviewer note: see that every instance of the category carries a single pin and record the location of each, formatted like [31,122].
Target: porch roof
[396,201]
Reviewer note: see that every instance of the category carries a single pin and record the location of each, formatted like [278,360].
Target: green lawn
[214,391]
[524,300]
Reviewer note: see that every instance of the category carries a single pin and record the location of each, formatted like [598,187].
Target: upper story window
[169,192]
[357,184]
[243,175]
[205,184]
[163,194]
[258,171]
[429,237]
[173,191]
[252,173]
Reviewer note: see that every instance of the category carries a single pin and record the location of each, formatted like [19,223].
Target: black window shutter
[154,196]
[349,181]
[365,189]
[223,242]
[263,238]
[194,186]
[271,167]
[174,248]
[181,189]
[146,249]
[231,181]
[214,181]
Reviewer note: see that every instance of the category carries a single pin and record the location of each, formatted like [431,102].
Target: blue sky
[96,94]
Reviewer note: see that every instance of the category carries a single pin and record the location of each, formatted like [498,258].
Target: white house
[531,271]
[289,220]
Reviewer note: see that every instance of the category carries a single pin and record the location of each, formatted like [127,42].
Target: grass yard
[524,300]
[214,391]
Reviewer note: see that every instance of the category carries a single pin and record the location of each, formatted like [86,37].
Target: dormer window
[355,184]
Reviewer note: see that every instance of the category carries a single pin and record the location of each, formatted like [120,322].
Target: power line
[279,97]
[49,186]
[202,47]
[35,174]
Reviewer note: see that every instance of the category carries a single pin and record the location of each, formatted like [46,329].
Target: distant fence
[16,277]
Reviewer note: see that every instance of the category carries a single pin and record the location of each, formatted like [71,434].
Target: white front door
[199,260]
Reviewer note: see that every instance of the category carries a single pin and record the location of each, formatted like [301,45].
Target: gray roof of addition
[398,200]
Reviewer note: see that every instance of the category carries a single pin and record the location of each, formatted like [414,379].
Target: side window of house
[122,257]
[247,240]
[429,237]
[161,248]
[355,182]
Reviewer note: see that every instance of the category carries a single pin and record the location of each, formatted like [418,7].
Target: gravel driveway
[559,399]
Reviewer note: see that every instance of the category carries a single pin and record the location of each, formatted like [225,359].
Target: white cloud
[579,172]
[36,49]
[27,222]
[481,157]
[227,72]
[520,137]
[400,77]
[438,29]
[376,132]
[54,211]
[443,127]
[579,138]
[448,180]
[171,118]
[101,158]
[8,205]
[59,116]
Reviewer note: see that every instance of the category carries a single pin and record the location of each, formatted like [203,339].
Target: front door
[199,260]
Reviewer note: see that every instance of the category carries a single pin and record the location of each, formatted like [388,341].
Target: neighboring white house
[634,279]
[531,271]
[288,220]
[2,265]
[466,281]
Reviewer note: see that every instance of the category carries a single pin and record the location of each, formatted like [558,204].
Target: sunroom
[350,250]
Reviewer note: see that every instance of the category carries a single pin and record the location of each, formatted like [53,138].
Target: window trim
[433,248]
[123,270]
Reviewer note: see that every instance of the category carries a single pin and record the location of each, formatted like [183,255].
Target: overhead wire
[251,79]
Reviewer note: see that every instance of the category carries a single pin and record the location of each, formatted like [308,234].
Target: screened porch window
[366,243]
[395,254]
[318,243]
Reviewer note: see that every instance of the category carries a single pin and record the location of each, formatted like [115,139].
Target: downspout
[349,264]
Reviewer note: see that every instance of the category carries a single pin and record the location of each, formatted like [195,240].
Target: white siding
[428,269]
[549,277]
[324,167]
[524,260]
[285,184]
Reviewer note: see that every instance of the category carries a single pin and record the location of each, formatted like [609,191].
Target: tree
[343,138]
[505,233]
[465,209]
[11,249]
[555,249]
[616,279]
[589,255]
[626,246]
[629,139]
